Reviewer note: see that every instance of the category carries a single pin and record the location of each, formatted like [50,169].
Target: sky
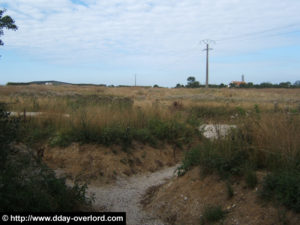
[109,41]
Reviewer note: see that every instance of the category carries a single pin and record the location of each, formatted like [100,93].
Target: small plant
[256,108]
[241,111]
[212,214]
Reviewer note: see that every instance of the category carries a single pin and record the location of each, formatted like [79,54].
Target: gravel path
[125,195]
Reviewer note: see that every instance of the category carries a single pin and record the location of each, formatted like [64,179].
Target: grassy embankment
[264,141]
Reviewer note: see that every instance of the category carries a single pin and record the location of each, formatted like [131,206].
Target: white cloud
[153,32]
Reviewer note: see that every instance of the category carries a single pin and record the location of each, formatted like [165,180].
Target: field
[97,134]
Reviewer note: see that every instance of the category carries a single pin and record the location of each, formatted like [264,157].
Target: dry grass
[148,96]
[135,106]
[276,135]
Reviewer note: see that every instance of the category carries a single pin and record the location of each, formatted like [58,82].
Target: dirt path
[125,195]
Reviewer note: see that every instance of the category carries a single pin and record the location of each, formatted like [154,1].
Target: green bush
[144,136]
[41,192]
[284,188]
[226,157]
[33,131]
[212,214]
[191,159]
[241,111]
[62,139]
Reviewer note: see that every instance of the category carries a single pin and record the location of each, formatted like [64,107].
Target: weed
[256,109]
[241,111]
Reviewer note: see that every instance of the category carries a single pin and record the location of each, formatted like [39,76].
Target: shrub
[284,188]
[61,138]
[192,158]
[226,157]
[212,214]
[144,136]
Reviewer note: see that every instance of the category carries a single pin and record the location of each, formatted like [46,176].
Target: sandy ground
[126,193]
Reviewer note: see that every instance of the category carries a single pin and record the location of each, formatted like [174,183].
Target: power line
[267,33]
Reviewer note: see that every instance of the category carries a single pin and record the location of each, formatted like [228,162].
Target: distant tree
[250,85]
[155,86]
[222,85]
[243,85]
[266,85]
[179,85]
[6,22]
[285,84]
[191,79]
[192,83]
[297,83]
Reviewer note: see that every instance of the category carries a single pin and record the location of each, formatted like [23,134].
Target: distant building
[237,83]
[48,83]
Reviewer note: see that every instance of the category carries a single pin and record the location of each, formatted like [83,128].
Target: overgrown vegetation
[283,187]
[97,120]
[26,184]
[267,142]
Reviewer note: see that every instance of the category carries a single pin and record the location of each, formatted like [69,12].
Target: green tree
[192,83]
[297,83]
[6,22]
[285,84]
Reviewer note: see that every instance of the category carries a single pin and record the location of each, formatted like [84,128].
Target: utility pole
[207,49]
[135,80]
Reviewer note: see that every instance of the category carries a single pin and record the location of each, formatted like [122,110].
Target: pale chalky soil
[125,196]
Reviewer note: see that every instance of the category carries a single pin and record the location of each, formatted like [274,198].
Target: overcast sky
[108,41]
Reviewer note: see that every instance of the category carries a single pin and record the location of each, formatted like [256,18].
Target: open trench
[126,193]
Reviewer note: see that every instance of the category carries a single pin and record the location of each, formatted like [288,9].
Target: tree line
[193,83]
